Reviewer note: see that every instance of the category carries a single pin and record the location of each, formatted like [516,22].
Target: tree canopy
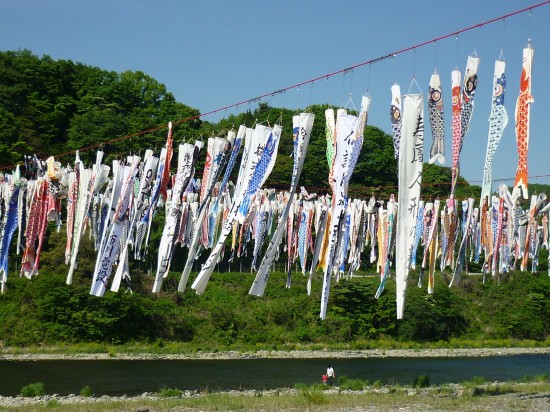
[52,107]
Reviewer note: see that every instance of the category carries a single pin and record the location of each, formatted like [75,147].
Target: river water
[133,377]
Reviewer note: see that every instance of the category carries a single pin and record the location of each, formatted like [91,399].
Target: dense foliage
[45,310]
[49,107]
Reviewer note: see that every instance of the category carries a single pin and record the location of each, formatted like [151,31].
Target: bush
[475,381]
[86,391]
[313,396]
[33,389]
[422,381]
[543,377]
[353,384]
[169,393]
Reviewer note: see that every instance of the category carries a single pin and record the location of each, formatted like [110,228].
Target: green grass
[86,391]
[355,384]
[475,381]
[33,389]
[422,381]
[169,392]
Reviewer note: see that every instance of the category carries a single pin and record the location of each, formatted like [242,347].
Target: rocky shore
[294,354]
[416,400]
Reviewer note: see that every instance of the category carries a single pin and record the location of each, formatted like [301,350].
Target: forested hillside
[53,108]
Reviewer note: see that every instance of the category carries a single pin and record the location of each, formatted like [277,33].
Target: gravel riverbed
[294,354]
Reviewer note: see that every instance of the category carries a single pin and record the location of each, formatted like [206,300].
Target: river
[133,377]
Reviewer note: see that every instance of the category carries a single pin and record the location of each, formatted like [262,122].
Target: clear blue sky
[211,54]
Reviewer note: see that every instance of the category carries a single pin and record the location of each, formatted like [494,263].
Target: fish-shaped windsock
[523,105]
[395,117]
[497,122]
[437,120]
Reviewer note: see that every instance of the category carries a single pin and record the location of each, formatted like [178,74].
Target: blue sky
[211,54]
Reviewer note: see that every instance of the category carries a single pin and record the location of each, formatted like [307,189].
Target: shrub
[169,392]
[543,377]
[476,380]
[86,391]
[353,384]
[422,381]
[313,396]
[33,389]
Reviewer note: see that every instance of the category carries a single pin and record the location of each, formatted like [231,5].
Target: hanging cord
[528,18]
[503,31]
[413,81]
[368,80]
[435,56]
[456,51]
[350,100]
[310,95]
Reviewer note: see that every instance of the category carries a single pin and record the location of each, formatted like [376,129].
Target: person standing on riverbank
[330,375]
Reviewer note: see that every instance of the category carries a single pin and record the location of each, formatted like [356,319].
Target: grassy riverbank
[476,394]
[368,347]
[45,311]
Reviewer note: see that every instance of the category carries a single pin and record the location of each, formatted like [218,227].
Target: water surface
[133,377]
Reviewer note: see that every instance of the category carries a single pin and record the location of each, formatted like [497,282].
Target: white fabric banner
[173,212]
[302,126]
[411,156]
[253,155]
[349,139]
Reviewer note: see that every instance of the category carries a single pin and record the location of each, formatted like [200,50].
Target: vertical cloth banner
[11,221]
[72,198]
[302,126]
[497,122]
[88,189]
[36,228]
[143,225]
[232,154]
[349,139]
[523,106]
[262,169]
[187,153]
[138,208]
[259,163]
[411,155]
[214,155]
[110,244]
